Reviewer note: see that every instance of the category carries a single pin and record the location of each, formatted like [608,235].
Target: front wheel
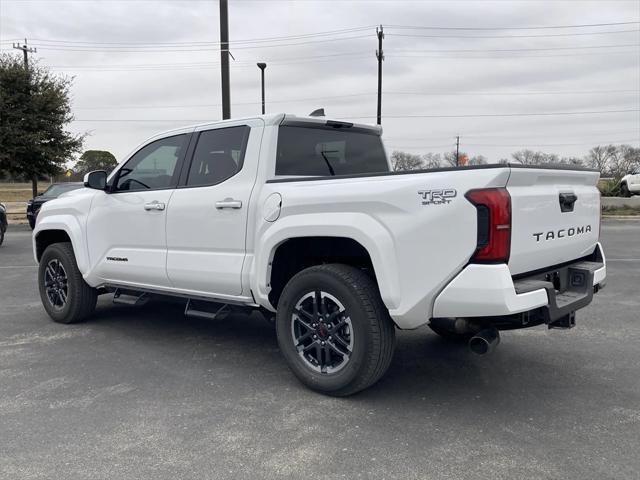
[624,189]
[334,330]
[65,295]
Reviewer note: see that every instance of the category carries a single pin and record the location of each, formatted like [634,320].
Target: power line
[515,145]
[481,115]
[201,43]
[187,48]
[544,27]
[514,138]
[386,116]
[482,50]
[212,64]
[353,95]
[561,92]
[502,57]
[110,107]
[549,35]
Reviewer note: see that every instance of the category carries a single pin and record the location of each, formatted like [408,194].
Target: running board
[208,310]
[124,297]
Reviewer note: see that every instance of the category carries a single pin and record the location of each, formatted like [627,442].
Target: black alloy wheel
[321,332]
[55,284]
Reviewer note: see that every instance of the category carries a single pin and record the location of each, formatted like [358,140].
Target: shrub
[609,188]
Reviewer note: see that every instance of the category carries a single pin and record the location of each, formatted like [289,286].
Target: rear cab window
[313,149]
[219,155]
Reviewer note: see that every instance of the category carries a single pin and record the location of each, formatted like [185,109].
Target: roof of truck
[271,119]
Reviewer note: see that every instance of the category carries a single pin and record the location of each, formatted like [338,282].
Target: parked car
[303,218]
[3,221]
[54,191]
[630,184]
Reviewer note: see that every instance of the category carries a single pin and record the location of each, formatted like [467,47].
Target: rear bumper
[491,291]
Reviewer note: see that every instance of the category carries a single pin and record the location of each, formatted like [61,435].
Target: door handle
[155,205]
[228,203]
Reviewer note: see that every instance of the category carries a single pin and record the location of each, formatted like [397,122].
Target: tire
[366,328]
[32,223]
[79,298]
[1,234]
[624,190]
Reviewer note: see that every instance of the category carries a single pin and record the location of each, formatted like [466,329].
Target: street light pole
[262,66]
[224,59]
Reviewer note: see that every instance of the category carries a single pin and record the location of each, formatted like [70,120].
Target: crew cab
[303,219]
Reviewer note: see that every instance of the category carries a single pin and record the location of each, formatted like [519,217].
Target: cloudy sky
[489,71]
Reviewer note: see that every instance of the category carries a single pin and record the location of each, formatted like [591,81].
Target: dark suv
[3,221]
[54,191]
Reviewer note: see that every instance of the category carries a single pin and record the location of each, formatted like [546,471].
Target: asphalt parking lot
[139,393]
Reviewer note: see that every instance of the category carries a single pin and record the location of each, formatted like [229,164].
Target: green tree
[34,111]
[96,160]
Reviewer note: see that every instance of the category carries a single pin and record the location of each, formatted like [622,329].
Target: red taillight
[494,224]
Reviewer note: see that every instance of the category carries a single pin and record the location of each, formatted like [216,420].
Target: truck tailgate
[555,216]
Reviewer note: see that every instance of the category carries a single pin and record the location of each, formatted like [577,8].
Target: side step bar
[124,297]
[209,310]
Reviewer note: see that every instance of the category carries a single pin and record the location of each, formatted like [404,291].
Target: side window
[218,155]
[152,167]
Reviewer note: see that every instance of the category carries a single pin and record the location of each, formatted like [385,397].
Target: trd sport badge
[437,197]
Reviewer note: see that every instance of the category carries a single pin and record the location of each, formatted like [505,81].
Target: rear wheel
[624,189]
[65,295]
[334,330]
[32,222]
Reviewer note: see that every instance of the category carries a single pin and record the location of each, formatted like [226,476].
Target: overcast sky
[144,66]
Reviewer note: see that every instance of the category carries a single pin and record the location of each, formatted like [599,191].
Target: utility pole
[380,57]
[224,58]
[457,150]
[262,66]
[26,51]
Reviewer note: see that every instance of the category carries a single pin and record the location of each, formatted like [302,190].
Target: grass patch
[625,211]
[19,192]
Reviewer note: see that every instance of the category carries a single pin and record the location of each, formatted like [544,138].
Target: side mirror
[96,180]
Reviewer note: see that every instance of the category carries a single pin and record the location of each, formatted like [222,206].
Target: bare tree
[450,158]
[529,157]
[403,161]
[478,160]
[599,158]
[625,160]
[432,160]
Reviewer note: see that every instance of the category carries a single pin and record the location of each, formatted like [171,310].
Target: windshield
[320,151]
[59,189]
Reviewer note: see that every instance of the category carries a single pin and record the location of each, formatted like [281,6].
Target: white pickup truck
[301,217]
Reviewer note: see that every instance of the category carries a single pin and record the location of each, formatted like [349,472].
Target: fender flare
[71,226]
[362,228]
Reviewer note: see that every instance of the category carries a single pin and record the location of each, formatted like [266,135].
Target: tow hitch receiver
[569,288]
[565,322]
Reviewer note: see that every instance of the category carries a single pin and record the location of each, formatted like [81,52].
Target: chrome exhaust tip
[484,341]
